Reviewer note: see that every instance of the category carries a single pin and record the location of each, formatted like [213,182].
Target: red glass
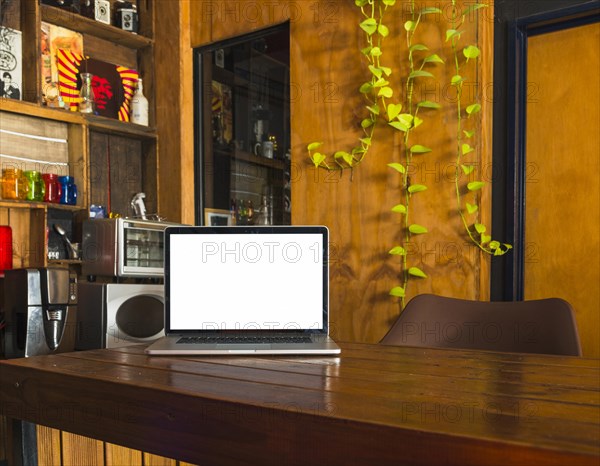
[6,248]
[53,188]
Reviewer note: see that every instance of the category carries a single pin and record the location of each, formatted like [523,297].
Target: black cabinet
[242,129]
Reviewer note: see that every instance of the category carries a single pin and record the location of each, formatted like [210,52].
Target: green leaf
[375,71]
[417,229]
[475,185]
[416,188]
[418,122]
[471,51]
[376,52]
[430,10]
[474,108]
[366,141]
[418,47]
[389,2]
[428,104]
[393,110]
[386,92]
[314,145]
[366,88]
[466,149]
[398,251]
[373,109]
[456,79]
[472,208]
[318,158]
[467,169]
[369,25]
[416,272]
[339,154]
[419,149]
[406,119]
[360,3]
[366,51]
[399,126]
[410,25]
[435,58]
[494,245]
[479,228]
[348,158]
[420,74]
[381,82]
[366,123]
[397,166]
[397,292]
[359,150]
[451,33]
[399,209]
[383,30]
[387,71]
[469,134]
[485,239]
[473,7]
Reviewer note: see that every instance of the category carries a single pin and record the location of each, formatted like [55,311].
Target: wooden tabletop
[371,405]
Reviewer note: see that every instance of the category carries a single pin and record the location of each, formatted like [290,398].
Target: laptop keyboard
[245,339]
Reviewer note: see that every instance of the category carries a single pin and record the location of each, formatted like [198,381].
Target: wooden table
[372,405]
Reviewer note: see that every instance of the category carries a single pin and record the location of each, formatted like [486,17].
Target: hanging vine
[373,90]
[476,231]
[406,122]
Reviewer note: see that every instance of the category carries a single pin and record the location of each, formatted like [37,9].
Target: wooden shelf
[35,110]
[112,126]
[251,158]
[80,23]
[10,204]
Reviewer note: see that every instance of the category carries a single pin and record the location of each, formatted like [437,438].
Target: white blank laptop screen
[238,282]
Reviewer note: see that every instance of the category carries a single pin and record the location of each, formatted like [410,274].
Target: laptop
[246,290]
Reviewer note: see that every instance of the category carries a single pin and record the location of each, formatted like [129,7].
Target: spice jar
[14,185]
[53,188]
[68,194]
[35,186]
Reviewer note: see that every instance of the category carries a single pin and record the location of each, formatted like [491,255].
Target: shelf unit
[237,80]
[91,140]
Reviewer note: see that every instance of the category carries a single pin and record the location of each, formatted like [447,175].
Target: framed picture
[217,217]
[11,57]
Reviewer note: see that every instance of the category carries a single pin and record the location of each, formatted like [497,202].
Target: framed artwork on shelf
[113,85]
[217,217]
[11,63]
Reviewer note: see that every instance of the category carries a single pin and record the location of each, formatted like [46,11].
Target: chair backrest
[545,326]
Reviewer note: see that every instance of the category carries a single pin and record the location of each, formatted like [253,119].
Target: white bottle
[139,106]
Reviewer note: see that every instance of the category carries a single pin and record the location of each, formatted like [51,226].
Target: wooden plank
[117,455]
[155,460]
[110,52]
[78,450]
[99,170]
[48,446]
[125,156]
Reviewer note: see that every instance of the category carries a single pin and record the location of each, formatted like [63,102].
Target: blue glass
[68,193]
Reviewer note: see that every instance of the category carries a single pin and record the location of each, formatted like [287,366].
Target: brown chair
[545,326]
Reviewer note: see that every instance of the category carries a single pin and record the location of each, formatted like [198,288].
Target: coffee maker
[40,311]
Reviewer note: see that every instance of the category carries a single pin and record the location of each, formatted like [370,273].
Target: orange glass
[14,184]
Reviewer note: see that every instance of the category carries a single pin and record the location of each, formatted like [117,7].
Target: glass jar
[6,248]
[87,103]
[68,193]
[53,188]
[14,185]
[35,186]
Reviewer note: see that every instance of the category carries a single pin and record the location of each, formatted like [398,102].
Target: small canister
[68,193]
[14,185]
[35,186]
[53,188]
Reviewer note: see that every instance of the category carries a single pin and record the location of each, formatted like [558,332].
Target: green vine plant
[373,90]
[477,231]
[406,122]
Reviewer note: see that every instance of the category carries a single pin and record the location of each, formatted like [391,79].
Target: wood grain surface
[326,72]
[371,405]
[562,185]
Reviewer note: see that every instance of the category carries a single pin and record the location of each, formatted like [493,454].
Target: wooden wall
[326,71]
